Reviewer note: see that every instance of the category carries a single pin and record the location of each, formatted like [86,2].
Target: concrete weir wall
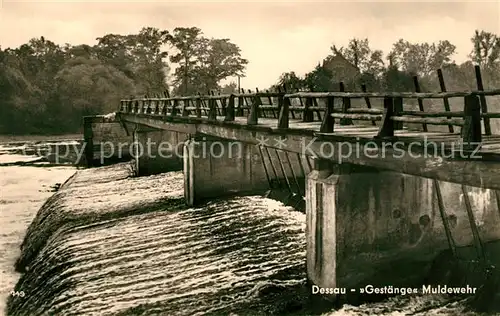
[218,167]
[374,227]
[159,151]
[106,139]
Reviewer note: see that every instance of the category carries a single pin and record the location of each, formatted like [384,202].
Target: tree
[486,49]
[188,42]
[203,62]
[359,53]
[89,87]
[421,59]
[218,60]
[149,65]
[139,56]
[229,88]
[396,80]
[291,81]
[15,90]
[320,79]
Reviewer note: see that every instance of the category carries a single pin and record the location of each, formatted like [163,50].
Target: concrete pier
[218,167]
[106,139]
[372,227]
[215,168]
[157,151]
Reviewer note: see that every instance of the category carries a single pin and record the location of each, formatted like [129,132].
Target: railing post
[164,108]
[471,131]
[224,106]
[183,107]
[212,109]
[367,101]
[157,105]
[230,109]
[398,108]
[419,100]
[136,106]
[306,116]
[152,105]
[167,102]
[445,99]
[140,106]
[328,121]
[280,101]
[202,103]
[346,105]
[149,108]
[241,103]
[283,119]
[174,108]
[269,98]
[254,110]
[198,106]
[145,105]
[387,129]
[484,106]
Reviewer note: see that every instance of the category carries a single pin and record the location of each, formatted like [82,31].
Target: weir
[372,217]
[217,167]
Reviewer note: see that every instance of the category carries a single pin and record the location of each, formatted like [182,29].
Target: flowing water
[235,256]
[23,190]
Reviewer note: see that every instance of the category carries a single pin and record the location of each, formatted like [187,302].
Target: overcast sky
[274,36]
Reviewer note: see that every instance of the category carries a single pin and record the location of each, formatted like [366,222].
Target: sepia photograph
[249,158]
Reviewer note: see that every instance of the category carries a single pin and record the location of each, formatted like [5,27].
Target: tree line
[47,88]
[359,64]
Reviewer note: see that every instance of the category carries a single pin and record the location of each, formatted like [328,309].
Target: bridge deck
[449,140]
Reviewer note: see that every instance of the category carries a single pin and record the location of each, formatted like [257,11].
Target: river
[256,279]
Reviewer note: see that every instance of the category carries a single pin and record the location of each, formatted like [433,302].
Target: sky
[275,37]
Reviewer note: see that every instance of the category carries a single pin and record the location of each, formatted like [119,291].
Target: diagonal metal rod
[273,167]
[475,231]
[446,225]
[293,173]
[283,171]
[299,157]
[265,168]
[308,163]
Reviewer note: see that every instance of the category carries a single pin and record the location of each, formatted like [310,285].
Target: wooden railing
[282,107]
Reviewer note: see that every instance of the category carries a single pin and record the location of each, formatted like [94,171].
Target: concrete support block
[158,151]
[215,168]
[322,203]
[372,227]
